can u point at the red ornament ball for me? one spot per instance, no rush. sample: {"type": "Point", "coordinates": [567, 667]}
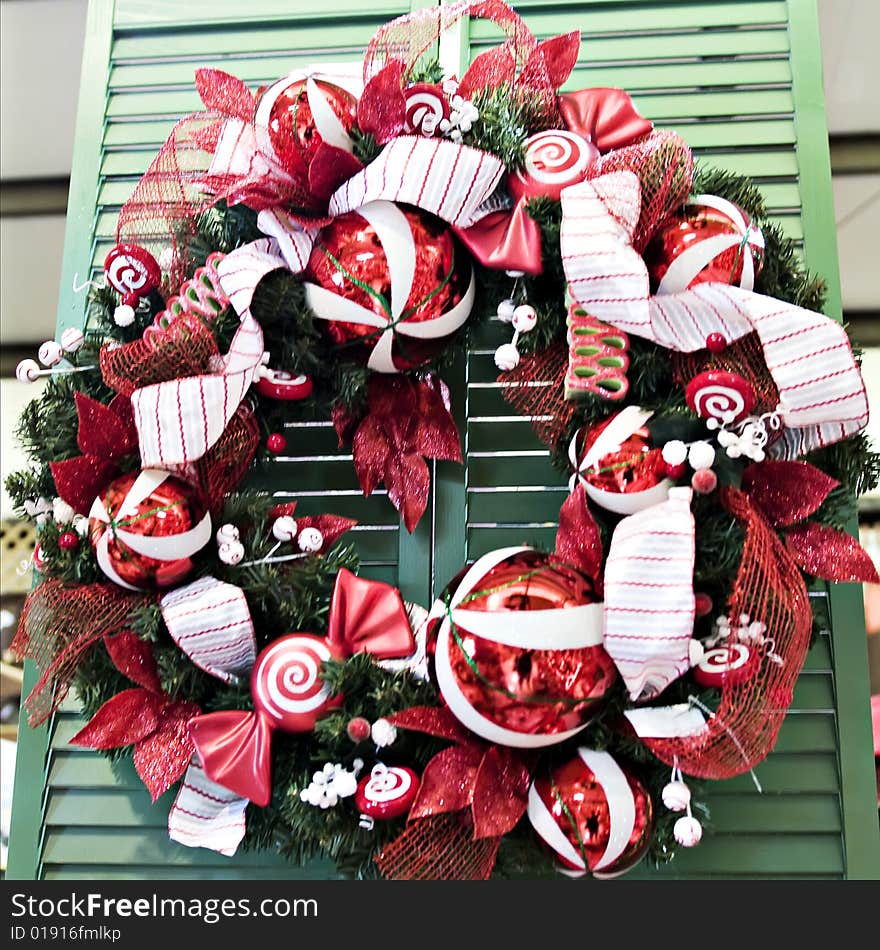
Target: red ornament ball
{"type": "Point", "coordinates": [673, 256]}
{"type": "Point", "coordinates": [284, 114]}
{"type": "Point", "coordinates": [675, 472]}
{"type": "Point", "coordinates": [704, 482]}
{"type": "Point", "coordinates": [702, 604]}
{"type": "Point", "coordinates": [349, 260]}
{"type": "Point", "coordinates": [518, 656]}
{"type": "Point", "coordinates": [276, 443]}
{"type": "Point", "coordinates": [124, 528]}
{"type": "Point", "coordinates": [592, 814]}
{"type": "Point", "coordinates": [68, 541]}
{"type": "Point", "coordinates": [286, 681]}
{"type": "Point", "coordinates": [358, 729]}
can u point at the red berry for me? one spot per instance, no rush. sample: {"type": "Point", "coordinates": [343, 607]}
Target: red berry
{"type": "Point", "coordinates": [131, 300]}
{"type": "Point", "coordinates": [358, 729]}
{"type": "Point", "coordinates": [69, 541]}
{"type": "Point", "coordinates": [675, 471]}
{"type": "Point", "coordinates": [716, 343]}
{"type": "Point", "coordinates": [704, 482]}
{"type": "Point", "coordinates": [703, 604]}
{"type": "Point", "coordinates": [276, 443]}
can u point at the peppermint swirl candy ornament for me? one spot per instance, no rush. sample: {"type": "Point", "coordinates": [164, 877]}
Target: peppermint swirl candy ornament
{"type": "Point", "coordinates": [553, 161]}
{"type": "Point", "coordinates": [286, 682]}
{"type": "Point", "coordinates": [388, 792]}
{"type": "Point", "coordinates": [131, 269]}
{"type": "Point", "coordinates": [720, 397]}
{"type": "Point", "coordinates": [726, 666]}
{"type": "Point", "coordinates": [426, 108]}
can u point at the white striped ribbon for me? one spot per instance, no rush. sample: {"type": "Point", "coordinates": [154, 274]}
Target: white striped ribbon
{"type": "Point", "coordinates": [210, 621]}
{"type": "Point", "coordinates": [822, 396]}
{"type": "Point", "coordinates": [449, 180]}
{"type": "Point", "coordinates": [649, 595]}
{"type": "Point", "coordinates": [179, 420]}
{"type": "Point", "coordinates": [206, 815]}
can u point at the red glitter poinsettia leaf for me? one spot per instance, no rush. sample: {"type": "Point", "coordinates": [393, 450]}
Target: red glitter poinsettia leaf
{"type": "Point", "coordinates": [278, 511]}
{"type": "Point", "coordinates": [433, 431]}
{"type": "Point", "coordinates": [331, 167]}
{"type": "Point", "coordinates": [121, 406]}
{"type": "Point", "coordinates": [381, 109]}
{"type": "Point", "coordinates": [488, 71]}
{"type": "Point", "coordinates": [578, 540]}
{"type": "Point", "coordinates": [332, 527]}
{"type": "Point", "coordinates": [101, 431]}
{"type": "Point", "coordinates": [787, 492]}
{"type": "Point", "coordinates": [79, 481]}
{"type": "Point", "coordinates": [501, 792]}
{"type": "Point", "coordinates": [134, 658]}
{"type": "Point", "coordinates": [557, 56]}
{"type": "Point", "coordinates": [371, 452]}
{"type": "Point", "coordinates": [161, 758]}
{"type": "Point", "coordinates": [834, 555]}
{"type": "Point", "coordinates": [432, 720]}
{"type": "Point", "coordinates": [125, 718]}
{"type": "Point", "coordinates": [345, 423]}
{"type": "Point", "coordinates": [408, 482]}
{"type": "Point", "coordinates": [392, 398]}
{"type": "Point", "coordinates": [447, 782]}
{"type": "Point", "coordinates": [224, 93]}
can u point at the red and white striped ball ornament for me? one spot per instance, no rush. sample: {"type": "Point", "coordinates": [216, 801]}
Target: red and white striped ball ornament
{"type": "Point", "coordinates": [387, 792]}
{"type": "Point", "coordinates": [517, 643]}
{"type": "Point", "coordinates": [553, 160]}
{"type": "Point", "coordinates": [720, 397]}
{"type": "Point", "coordinates": [426, 108]}
{"type": "Point", "coordinates": [711, 240]}
{"type": "Point", "coordinates": [286, 682]}
{"type": "Point", "coordinates": [131, 269]}
{"type": "Point", "coordinates": [145, 528]}
{"type": "Point", "coordinates": [391, 282]}
{"type": "Point", "coordinates": [592, 814]}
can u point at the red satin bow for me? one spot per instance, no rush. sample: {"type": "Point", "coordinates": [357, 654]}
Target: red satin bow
{"type": "Point", "coordinates": [511, 240]}
{"type": "Point", "coordinates": [491, 781]}
{"type": "Point", "coordinates": [234, 747]}
{"type": "Point", "coordinates": [105, 434]}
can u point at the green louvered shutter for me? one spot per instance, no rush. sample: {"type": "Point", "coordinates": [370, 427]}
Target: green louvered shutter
{"type": "Point", "coordinates": [741, 81]}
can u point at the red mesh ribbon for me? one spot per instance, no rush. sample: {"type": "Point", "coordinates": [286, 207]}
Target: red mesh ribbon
{"type": "Point", "coordinates": [57, 626]}
{"type": "Point", "coordinates": [220, 470]}
{"type": "Point", "coordinates": [534, 389]}
{"type": "Point", "coordinates": [769, 588]}
{"type": "Point", "coordinates": [541, 67]}
{"type": "Point", "coordinates": [664, 166]}
{"type": "Point", "coordinates": [439, 848]}
{"type": "Point", "coordinates": [185, 348]}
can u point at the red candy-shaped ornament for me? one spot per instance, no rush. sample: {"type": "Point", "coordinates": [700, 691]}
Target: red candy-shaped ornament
{"type": "Point", "coordinates": [553, 160]}
{"type": "Point", "coordinates": [388, 792]}
{"type": "Point", "coordinates": [592, 814]}
{"type": "Point", "coordinates": [719, 395]}
{"type": "Point", "coordinates": [283, 386]}
{"type": "Point", "coordinates": [426, 108]}
{"type": "Point", "coordinates": [131, 269]}
{"type": "Point", "coordinates": [727, 665]}
{"type": "Point", "coordinates": [518, 651]}
{"type": "Point", "coordinates": [286, 682]}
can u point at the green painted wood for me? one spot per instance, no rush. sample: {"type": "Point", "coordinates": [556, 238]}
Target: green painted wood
{"type": "Point", "coordinates": [739, 79]}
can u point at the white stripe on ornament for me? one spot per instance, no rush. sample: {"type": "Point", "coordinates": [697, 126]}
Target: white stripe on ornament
{"type": "Point", "coordinates": [326, 121]}
{"type": "Point", "coordinates": [691, 261]}
{"type": "Point", "coordinates": [172, 547]}
{"type": "Point", "coordinates": [621, 804]}
{"type": "Point", "coordinates": [102, 556]}
{"type": "Point", "coordinates": [446, 323]}
{"type": "Point", "coordinates": [395, 236]}
{"type": "Point", "coordinates": [545, 825]}
{"type": "Point", "coordinates": [563, 628]}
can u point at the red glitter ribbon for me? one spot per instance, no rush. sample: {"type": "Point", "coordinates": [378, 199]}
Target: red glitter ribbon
{"type": "Point", "coordinates": [143, 716]}
{"type": "Point", "coordinates": [491, 781]}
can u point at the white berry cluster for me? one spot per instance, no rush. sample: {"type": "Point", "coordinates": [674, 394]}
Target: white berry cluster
{"type": "Point", "coordinates": [41, 510]}
{"type": "Point", "coordinates": [330, 784]}
{"type": "Point", "coordinates": [749, 438]}
{"type": "Point", "coordinates": [745, 630]}
{"type": "Point", "coordinates": [462, 113]}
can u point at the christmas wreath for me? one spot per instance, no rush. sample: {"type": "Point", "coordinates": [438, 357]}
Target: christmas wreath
{"type": "Point", "coordinates": [320, 249]}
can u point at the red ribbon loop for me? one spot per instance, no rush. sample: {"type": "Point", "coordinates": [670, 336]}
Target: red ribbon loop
{"type": "Point", "coordinates": [368, 617]}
